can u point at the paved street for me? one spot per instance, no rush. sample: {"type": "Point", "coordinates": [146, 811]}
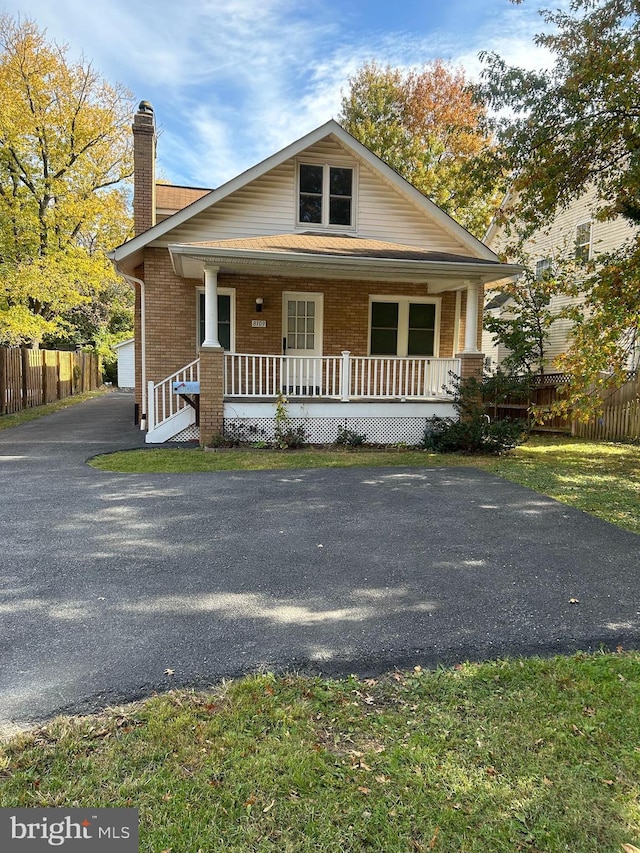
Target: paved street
{"type": "Point", "coordinates": [109, 580]}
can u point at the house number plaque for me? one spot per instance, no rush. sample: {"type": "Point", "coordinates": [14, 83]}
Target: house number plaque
{"type": "Point", "coordinates": [259, 324]}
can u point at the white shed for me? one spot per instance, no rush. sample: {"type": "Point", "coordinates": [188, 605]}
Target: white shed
{"type": "Point", "coordinates": [126, 363]}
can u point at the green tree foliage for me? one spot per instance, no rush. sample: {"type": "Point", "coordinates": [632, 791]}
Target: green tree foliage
{"type": "Point", "coordinates": [425, 125]}
{"type": "Point", "coordinates": [561, 131]}
{"type": "Point", "coordinates": [577, 123]}
{"type": "Point", "coordinates": [64, 153]}
{"type": "Point", "coordinates": [524, 326]}
{"type": "Point", "coordinates": [606, 332]}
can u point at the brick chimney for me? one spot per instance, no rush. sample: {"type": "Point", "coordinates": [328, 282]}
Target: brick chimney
{"type": "Point", "coordinates": [144, 168]}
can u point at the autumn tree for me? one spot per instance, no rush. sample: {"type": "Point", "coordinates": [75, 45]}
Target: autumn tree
{"type": "Point", "coordinates": [565, 129]}
{"type": "Point", "coordinates": [427, 126]}
{"type": "Point", "coordinates": [524, 325]}
{"type": "Point", "coordinates": [64, 154]}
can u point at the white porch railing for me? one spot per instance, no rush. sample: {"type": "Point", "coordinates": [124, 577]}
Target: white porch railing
{"type": "Point", "coordinates": [162, 403]}
{"type": "Point", "coordinates": [269, 375]}
{"type": "Point", "coordinates": [343, 377]}
{"type": "Point", "coordinates": [402, 377]}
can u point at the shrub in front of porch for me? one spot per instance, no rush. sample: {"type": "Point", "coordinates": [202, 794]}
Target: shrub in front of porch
{"type": "Point", "coordinates": [474, 431]}
{"type": "Point", "coordinates": [476, 435]}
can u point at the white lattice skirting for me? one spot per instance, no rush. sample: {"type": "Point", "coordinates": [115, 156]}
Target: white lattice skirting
{"type": "Point", "coordinates": [407, 430]}
{"type": "Point", "coordinates": [191, 433]}
{"type": "Point", "coordinates": [319, 430]}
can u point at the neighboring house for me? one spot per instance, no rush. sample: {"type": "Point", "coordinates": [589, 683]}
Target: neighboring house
{"type": "Point", "coordinates": [125, 351]}
{"type": "Point", "coordinates": [320, 273]}
{"type": "Point", "coordinates": [573, 233]}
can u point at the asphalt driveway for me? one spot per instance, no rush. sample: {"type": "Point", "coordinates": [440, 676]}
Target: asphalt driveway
{"type": "Point", "coordinates": [109, 581]}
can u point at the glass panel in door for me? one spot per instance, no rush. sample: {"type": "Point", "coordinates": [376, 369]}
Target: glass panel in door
{"type": "Point", "coordinates": [303, 343]}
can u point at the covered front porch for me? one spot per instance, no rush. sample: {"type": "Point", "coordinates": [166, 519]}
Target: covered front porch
{"type": "Point", "coordinates": [324, 392]}
{"type": "Point", "coordinates": [343, 327]}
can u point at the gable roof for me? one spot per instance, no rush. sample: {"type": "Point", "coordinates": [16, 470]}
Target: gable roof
{"type": "Point", "coordinates": [128, 254]}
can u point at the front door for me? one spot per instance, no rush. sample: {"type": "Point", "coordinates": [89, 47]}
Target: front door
{"type": "Point", "coordinates": [302, 340]}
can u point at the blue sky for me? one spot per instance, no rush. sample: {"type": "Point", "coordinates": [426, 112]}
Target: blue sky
{"type": "Point", "coordinates": [233, 81]}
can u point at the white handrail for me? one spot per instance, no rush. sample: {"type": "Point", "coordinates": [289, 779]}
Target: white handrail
{"type": "Point", "coordinates": [342, 377]}
{"type": "Point", "coordinates": [163, 403]}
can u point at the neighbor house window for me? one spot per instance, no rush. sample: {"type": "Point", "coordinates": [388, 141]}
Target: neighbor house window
{"type": "Point", "coordinates": [225, 307]}
{"type": "Point", "coordinates": [403, 327]}
{"type": "Point", "coordinates": [583, 242]}
{"type": "Point", "coordinates": [543, 269]}
{"type": "Point", "coordinates": [326, 195]}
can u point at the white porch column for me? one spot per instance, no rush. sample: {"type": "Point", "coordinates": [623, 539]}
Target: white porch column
{"type": "Point", "coordinates": [345, 376]}
{"type": "Point", "coordinates": [471, 323]}
{"type": "Point", "coordinates": [210, 306]}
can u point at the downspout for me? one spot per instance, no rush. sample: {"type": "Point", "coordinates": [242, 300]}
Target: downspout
{"type": "Point", "coordinates": [143, 343]}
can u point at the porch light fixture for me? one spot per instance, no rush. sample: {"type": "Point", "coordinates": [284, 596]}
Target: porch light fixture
{"type": "Point", "coordinates": [259, 304]}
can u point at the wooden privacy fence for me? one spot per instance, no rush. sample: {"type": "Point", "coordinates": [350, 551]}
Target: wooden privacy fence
{"type": "Point", "coordinates": [32, 377]}
{"type": "Point", "coordinates": [620, 417]}
{"type": "Point", "coordinates": [544, 391]}
{"type": "Point", "coordinates": [618, 421]}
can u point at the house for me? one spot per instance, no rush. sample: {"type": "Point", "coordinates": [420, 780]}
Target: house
{"type": "Point", "coordinates": [319, 273]}
{"type": "Point", "coordinates": [574, 233]}
{"type": "Point", "coordinates": [125, 351]}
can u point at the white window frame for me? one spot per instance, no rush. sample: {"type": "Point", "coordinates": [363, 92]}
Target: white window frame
{"type": "Point", "coordinates": [222, 291]}
{"type": "Point", "coordinates": [577, 245]}
{"type": "Point", "coordinates": [541, 270]}
{"type": "Point", "coordinates": [403, 303]}
{"type": "Point", "coordinates": [326, 166]}
{"type": "Point", "coordinates": [303, 295]}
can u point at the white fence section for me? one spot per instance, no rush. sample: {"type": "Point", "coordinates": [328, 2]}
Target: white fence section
{"type": "Point", "coordinates": [270, 375]}
{"type": "Point", "coordinates": [402, 377]}
{"type": "Point", "coordinates": [168, 411]}
{"type": "Point", "coordinates": [343, 377]}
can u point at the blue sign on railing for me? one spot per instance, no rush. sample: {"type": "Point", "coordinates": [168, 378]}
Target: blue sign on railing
{"type": "Point", "coordinates": [186, 387]}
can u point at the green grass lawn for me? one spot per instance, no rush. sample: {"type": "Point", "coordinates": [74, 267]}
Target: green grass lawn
{"type": "Point", "coordinates": [520, 755]}
{"type": "Point", "coordinates": [26, 415]}
{"type": "Point", "coordinates": [598, 477]}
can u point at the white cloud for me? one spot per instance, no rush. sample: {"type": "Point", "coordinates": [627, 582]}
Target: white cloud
{"type": "Point", "coordinates": [232, 81]}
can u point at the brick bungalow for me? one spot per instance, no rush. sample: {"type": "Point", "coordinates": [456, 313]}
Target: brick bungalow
{"type": "Point", "coordinates": [319, 273]}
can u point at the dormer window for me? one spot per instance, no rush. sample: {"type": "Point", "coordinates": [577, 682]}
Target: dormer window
{"type": "Point", "coordinates": [326, 195]}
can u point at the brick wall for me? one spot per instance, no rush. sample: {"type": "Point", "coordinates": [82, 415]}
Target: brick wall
{"type": "Point", "coordinates": [171, 314]}
{"type": "Point", "coordinates": [211, 393]}
{"type": "Point", "coordinates": [144, 179]}
{"type": "Point", "coordinates": [346, 311]}
{"type": "Point", "coordinates": [471, 365]}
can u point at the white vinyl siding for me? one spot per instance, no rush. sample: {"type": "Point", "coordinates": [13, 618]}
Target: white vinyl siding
{"type": "Point", "coordinates": [126, 364]}
{"type": "Point", "coordinates": [268, 206]}
{"type": "Point", "coordinates": [558, 238]}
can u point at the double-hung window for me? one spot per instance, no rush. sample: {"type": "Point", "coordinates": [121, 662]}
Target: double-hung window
{"type": "Point", "coordinates": [403, 327]}
{"type": "Point", "coordinates": [544, 269]}
{"type": "Point", "coordinates": [225, 326]}
{"type": "Point", "coordinates": [583, 242]}
{"type": "Point", "coordinates": [325, 195]}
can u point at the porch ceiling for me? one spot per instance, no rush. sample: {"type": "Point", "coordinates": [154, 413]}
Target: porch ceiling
{"type": "Point", "coordinates": [336, 256]}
